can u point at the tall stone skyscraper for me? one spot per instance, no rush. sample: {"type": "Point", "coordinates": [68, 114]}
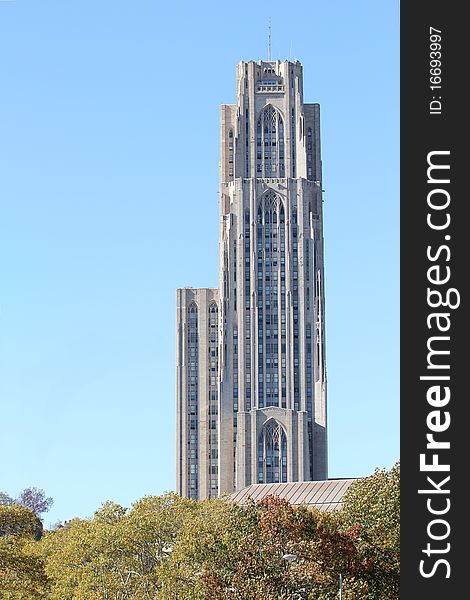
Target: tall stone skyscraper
{"type": "Point", "coordinates": [251, 376]}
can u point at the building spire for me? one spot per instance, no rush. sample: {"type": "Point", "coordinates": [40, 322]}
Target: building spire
{"type": "Point", "coordinates": [269, 40]}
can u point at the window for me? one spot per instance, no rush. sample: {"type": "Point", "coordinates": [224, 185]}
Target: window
{"type": "Point", "coordinates": [270, 144]}
{"type": "Point", "coordinates": [192, 391]}
{"type": "Point", "coordinates": [309, 153]}
{"type": "Point", "coordinates": [247, 308]}
{"type": "Point", "coordinates": [272, 454]}
{"type": "Point", "coordinates": [292, 135]}
{"type": "Point", "coordinates": [270, 232]}
{"type": "Point", "coordinates": [213, 337]}
{"type": "Point", "coordinates": [295, 309]}
{"type": "Point", "coordinates": [230, 153]}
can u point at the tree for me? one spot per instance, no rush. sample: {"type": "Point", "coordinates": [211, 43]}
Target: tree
{"type": "Point", "coordinates": [5, 499]}
{"type": "Point", "coordinates": [203, 554]}
{"type": "Point", "coordinates": [118, 554]}
{"type": "Point", "coordinates": [35, 499]}
{"type": "Point", "coordinates": [19, 521]}
{"type": "Point", "coordinates": [21, 570]}
{"type": "Point", "coordinates": [373, 505]}
{"type": "Point", "coordinates": [230, 551]}
{"type": "Point", "coordinates": [171, 548]}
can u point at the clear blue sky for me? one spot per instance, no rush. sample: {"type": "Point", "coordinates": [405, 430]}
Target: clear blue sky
{"type": "Point", "coordinates": [108, 202]}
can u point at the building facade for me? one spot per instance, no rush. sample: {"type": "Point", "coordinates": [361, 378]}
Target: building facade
{"type": "Point", "coordinates": [251, 374]}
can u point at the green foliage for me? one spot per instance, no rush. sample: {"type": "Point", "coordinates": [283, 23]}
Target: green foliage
{"type": "Point", "coordinates": [229, 551]}
{"type": "Point", "coordinates": [169, 548]}
{"type": "Point", "coordinates": [18, 521]}
{"type": "Point", "coordinates": [21, 570]}
{"type": "Point", "coordinates": [374, 504]}
{"type": "Point", "coordinates": [118, 554]}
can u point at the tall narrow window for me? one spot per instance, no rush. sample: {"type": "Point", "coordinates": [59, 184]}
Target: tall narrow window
{"type": "Point", "coordinates": [270, 144]}
{"type": "Point", "coordinates": [247, 143]}
{"type": "Point", "coordinates": [309, 384]}
{"type": "Point", "coordinates": [282, 240]}
{"type": "Point", "coordinates": [292, 135]}
{"type": "Point", "coordinates": [272, 454]}
{"type": "Point", "coordinates": [295, 308]}
{"type": "Point", "coordinates": [247, 313]}
{"type": "Point", "coordinates": [309, 154]}
{"type": "Point", "coordinates": [235, 370]}
{"type": "Point", "coordinates": [230, 153]}
{"type": "Point", "coordinates": [192, 378]}
{"type": "Point", "coordinates": [270, 278]}
{"type": "Point", "coordinates": [212, 334]}
{"type": "Point", "coordinates": [320, 341]}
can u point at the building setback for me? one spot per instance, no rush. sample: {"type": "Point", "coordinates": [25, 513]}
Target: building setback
{"type": "Point", "coordinates": [251, 375]}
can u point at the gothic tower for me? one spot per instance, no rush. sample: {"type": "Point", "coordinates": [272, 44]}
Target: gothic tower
{"type": "Point", "coordinates": [265, 419]}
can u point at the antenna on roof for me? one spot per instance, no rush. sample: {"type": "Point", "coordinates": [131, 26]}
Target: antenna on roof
{"type": "Point", "coordinates": [269, 40]}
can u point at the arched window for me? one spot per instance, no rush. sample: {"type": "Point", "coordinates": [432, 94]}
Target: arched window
{"type": "Point", "coordinates": [272, 454]}
{"type": "Point", "coordinates": [270, 281]}
{"type": "Point", "coordinates": [270, 144]}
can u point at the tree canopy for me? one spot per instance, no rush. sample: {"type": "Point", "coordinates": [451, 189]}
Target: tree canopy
{"type": "Point", "coordinates": [22, 574]}
{"type": "Point", "coordinates": [167, 547]}
{"type": "Point", "coordinates": [35, 499]}
{"type": "Point", "coordinates": [373, 503]}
